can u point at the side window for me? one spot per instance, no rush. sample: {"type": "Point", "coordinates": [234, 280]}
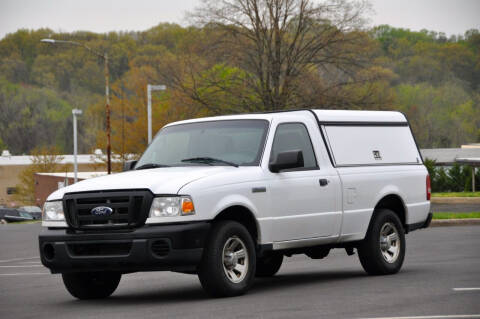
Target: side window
{"type": "Point", "coordinates": [294, 136]}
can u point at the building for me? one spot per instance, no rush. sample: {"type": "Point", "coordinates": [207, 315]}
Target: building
{"type": "Point", "coordinates": [11, 166]}
{"type": "Point", "coordinates": [450, 156]}
{"type": "Point", "coordinates": [46, 183]}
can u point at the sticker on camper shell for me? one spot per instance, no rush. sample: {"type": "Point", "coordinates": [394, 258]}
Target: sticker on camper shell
{"type": "Point", "coordinates": [377, 156]}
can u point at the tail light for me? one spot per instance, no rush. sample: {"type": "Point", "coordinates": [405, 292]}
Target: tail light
{"type": "Point", "coordinates": [429, 188]}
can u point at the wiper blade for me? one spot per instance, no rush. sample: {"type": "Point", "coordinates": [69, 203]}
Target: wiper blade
{"type": "Point", "coordinates": [150, 165]}
{"type": "Point", "coordinates": [208, 160]}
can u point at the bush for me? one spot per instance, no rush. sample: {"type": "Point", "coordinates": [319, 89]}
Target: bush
{"type": "Point", "coordinates": [457, 178]}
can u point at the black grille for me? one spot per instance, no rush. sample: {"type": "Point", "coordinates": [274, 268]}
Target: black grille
{"type": "Point", "coordinates": [129, 209]}
{"type": "Point", "coordinates": [160, 247]}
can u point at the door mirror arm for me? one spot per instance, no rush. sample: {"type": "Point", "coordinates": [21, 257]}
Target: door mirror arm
{"type": "Point", "coordinates": [129, 165]}
{"type": "Point", "coordinates": [287, 160]}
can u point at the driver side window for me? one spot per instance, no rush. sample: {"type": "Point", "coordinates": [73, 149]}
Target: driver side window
{"type": "Point", "coordinates": [294, 136]}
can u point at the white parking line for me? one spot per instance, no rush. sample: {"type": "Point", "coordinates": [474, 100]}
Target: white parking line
{"type": "Point", "coordinates": [466, 289]}
{"type": "Point", "coordinates": [31, 262]}
{"type": "Point", "coordinates": [21, 266]}
{"type": "Point", "coordinates": [431, 317]}
{"type": "Point", "coordinates": [23, 274]}
{"type": "Point", "coordinates": [18, 259]}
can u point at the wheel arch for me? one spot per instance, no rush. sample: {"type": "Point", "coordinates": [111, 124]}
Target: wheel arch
{"type": "Point", "coordinates": [242, 215]}
{"type": "Point", "coordinates": [395, 203]}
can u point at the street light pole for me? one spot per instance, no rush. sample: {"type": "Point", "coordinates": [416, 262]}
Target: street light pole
{"type": "Point", "coordinates": [104, 56]}
{"type": "Point", "coordinates": [75, 112]}
{"type": "Point", "coordinates": [151, 88]}
{"type": "Point", "coordinates": [107, 115]}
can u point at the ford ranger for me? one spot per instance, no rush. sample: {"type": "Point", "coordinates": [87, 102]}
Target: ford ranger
{"type": "Point", "coordinates": [228, 197]}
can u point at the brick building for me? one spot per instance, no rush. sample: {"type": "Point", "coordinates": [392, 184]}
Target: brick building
{"type": "Point", "coordinates": [46, 183]}
{"type": "Point", "coordinates": [11, 166]}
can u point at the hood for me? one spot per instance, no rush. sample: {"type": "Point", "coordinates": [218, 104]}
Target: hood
{"type": "Point", "coordinates": [166, 180]}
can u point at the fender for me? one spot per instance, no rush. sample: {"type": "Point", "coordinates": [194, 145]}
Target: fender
{"type": "Point", "coordinates": [238, 200]}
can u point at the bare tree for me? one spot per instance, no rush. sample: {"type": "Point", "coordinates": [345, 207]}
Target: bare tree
{"type": "Point", "coordinates": [277, 41]}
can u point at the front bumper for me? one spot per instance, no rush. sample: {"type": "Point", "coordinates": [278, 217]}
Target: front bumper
{"type": "Point", "coordinates": [160, 247]}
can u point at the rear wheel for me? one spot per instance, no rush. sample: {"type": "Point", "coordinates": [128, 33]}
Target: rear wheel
{"type": "Point", "coordinates": [383, 250]}
{"type": "Point", "coordinates": [91, 285]}
{"type": "Point", "coordinates": [228, 263]}
{"type": "Point", "coordinates": [269, 265]}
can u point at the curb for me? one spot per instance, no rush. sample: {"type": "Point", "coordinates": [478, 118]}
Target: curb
{"type": "Point", "coordinates": [455, 200]}
{"type": "Point", "coordinates": [455, 222]}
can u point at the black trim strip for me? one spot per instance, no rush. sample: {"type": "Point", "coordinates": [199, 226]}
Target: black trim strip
{"type": "Point", "coordinates": [323, 136]}
{"type": "Point", "coordinates": [379, 164]}
{"type": "Point", "coordinates": [344, 123]}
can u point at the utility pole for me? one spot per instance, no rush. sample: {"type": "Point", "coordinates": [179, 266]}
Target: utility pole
{"type": "Point", "coordinates": [151, 88]}
{"type": "Point", "coordinates": [107, 115]}
{"type": "Point", "coordinates": [75, 113]}
{"type": "Point", "coordinates": [104, 56]}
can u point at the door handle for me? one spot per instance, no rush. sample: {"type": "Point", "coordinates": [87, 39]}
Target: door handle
{"type": "Point", "coordinates": [324, 182]}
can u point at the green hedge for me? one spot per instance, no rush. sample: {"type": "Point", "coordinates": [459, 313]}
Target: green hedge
{"type": "Point", "coordinates": [457, 178]}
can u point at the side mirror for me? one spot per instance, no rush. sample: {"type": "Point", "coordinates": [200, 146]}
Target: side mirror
{"type": "Point", "coordinates": [287, 160]}
{"type": "Point", "coordinates": [129, 165]}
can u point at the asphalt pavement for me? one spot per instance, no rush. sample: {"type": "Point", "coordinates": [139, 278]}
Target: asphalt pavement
{"type": "Point", "coordinates": [439, 277]}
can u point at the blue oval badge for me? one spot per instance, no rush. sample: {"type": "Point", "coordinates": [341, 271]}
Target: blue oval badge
{"type": "Point", "coordinates": [101, 211]}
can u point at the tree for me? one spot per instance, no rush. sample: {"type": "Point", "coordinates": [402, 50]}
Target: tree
{"type": "Point", "coordinates": [3, 146]}
{"type": "Point", "coordinates": [276, 41]}
{"type": "Point", "coordinates": [33, 117]}
{"type": "Point", "coordinates": [44, 160]}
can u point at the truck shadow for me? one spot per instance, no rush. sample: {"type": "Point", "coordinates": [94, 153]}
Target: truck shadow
{"type": "Point", "coordinates": [194, 292]}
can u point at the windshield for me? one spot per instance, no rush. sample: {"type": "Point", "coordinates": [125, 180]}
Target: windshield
{"type": "Point", "coordinates": [238, 142]}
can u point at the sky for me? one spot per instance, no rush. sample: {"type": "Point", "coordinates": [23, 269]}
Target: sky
{"type": "Point", "coordinates": [448, 16]}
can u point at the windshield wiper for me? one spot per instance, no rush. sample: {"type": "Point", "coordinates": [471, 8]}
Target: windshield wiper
{"type": "Point", "coordinates": [208, 160]}
{"type": "Point", "coordinates": [150, 165]}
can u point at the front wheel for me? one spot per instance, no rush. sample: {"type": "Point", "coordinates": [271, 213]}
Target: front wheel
{"type": "Point", "coordinates": [91, 285]}
{"type": "Point", "coordinates": [383, 250]}
{"type": "Point", "coordinates": [228, 263]}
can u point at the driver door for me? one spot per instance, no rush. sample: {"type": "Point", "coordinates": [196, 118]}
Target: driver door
{"type": "Point", "coordinates": [302, 206]}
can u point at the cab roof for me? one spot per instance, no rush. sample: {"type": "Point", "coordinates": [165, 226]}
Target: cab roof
{"type": "Point", "coordinates": [323, 116]}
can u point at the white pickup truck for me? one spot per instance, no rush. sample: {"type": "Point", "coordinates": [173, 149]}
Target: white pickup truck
{"type": "Point", "coordinates": [228, 197]}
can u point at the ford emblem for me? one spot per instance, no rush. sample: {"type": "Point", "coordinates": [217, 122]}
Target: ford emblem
{"type": "Point", "coordinates": [101, 211]}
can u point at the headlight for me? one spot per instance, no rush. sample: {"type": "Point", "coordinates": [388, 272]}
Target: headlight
{"type": "Point", "coordinates": [53, 211]}
{"type": "Point", "coordinates": [171, 206]}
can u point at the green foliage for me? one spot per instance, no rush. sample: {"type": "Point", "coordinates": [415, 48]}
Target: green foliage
{"type": "Point", "coordinates": [443, 116]}
{"type": "Point", "coordinates": [456, 194]}
{"type": "Point", "coordinates": [447, 215]}
{"type": "Point", "coordinates": [3, 146]}
{"type": "Point", "coordinates": [457, 178]}
{"type": "Point", "coordinates": [33, 117]}
{"type": "Point", "coordinates": [433, 79]}
{"type": "Point", "coordinates": [430, 165]}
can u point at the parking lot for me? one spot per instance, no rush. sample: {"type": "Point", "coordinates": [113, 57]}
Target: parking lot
{"type": "Point", "coordinates": [441, 268]}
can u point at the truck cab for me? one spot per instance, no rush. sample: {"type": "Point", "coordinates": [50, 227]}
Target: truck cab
{"type": "Point", "coordinates": [228, 197]}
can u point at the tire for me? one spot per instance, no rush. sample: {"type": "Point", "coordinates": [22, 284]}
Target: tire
{"type": "Point", "coordinates": [223, 272]}
{"type": "Point", "coordinates": [91, 285]}
{"type": "Point", "coordinates": [380, 254]}
{"type": "Point", "coordinates": [269, 265]}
